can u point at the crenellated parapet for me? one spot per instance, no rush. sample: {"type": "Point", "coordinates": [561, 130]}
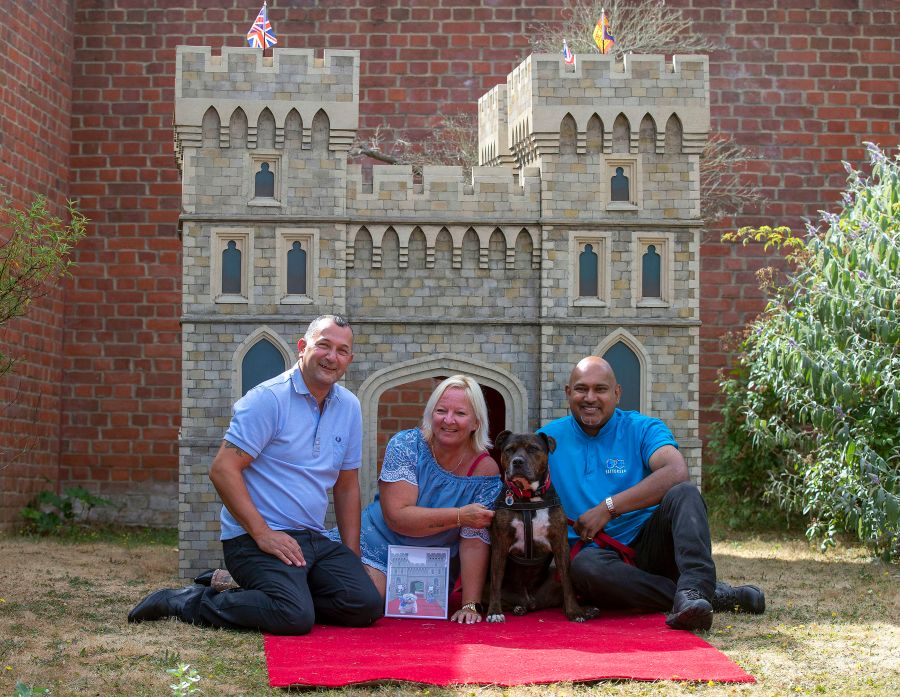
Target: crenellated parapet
{"type": "Point", "coordinates": [291, 81]}
{"type": "Point", "coordinates": [543, 90]}
{"type": "Point", "coordinates": [444, 192]}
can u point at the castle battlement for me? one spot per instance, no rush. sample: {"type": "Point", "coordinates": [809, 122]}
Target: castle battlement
{"type": "Point", "coordinates": [288, 74]}
{"type": "Point", "coordinates": [395, 191]}
{"type": "Point", "coordinates": [543, 90]}
{"type": "Point", "coordinates": [292, 80]}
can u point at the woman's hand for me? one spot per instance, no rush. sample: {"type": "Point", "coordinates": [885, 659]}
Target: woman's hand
{"type": "Point", "coordinates": [467, 614]}
{"type": "Point", "coordinates": [475, 515]}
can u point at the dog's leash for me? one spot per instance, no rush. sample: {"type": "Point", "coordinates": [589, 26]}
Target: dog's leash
{"type": "Point", "coordinates": [601, 539]}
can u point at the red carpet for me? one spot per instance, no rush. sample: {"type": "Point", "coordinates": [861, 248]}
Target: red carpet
{"type": "Point", "coordinates": [542, 647]}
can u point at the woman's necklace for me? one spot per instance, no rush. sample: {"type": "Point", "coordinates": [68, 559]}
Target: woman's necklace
{"type": "Point", "coordinates": [458, 464]}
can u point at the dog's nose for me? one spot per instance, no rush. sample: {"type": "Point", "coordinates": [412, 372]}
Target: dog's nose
{"type": "Point", "coordinates": [517, 461]}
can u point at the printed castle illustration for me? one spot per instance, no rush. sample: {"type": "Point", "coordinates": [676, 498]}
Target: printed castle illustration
{"type": "Point", "coordinates": [577, 234]}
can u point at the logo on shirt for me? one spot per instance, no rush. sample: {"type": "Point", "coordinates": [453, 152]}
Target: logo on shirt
{"type": "Point", "coordinates": [615, 466]}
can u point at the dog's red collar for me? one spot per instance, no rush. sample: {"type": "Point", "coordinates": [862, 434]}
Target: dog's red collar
{"type": "Point", "coordinates": [517, 492]}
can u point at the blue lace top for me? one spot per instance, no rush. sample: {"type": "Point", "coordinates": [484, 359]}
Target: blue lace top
{"type": "Point", "coordinates": [409, 459]}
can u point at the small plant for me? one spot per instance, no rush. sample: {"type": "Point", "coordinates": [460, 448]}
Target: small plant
{"type": "Point", "coordinates": [186, 679]}
{"type": "Point", "coordinates": [35, 247]}
{"type": "Point", "coordinates": [23, 690]}
{"type": "Point", "coordinates": [50, 513]}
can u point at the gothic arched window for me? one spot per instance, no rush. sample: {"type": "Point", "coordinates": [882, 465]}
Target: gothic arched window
{"type": "Point", "coordinates": [627, 368]}
{"type": "Point", "coordinates": [261, 362]}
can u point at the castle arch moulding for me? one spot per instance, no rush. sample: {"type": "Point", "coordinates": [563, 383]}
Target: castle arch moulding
{"type": "Point", "coordinates": [237, 359]}
{"type": "Point", "coordinates": [646, 366]}
{"type": "Point", "coordinates": [508, 385]}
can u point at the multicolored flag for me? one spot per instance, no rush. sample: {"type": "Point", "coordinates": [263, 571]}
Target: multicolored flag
{"type": "Point", "coordinates": [602, 37]}
{"type": "Point", "coordinates": [567, 54]}
{"type": "Point", "coordinates": [261, 34]}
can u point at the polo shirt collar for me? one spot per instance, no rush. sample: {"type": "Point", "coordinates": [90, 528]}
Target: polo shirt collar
{"type": "Point", "coordinates": [607, 427]}
{"type": "Point", "coordinates": [300, 385]}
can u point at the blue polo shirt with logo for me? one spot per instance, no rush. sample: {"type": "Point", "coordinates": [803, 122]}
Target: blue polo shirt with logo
{"type": "Point", "coordinates": [586, 469]}
{"type": "Point", "coordinates": [297, 451]}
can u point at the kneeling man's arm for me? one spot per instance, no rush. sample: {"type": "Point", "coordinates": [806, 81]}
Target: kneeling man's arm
{"type": "Point", "coordinates": [347, 507]}
{"type": "Point", "coordinates": [227, 476]}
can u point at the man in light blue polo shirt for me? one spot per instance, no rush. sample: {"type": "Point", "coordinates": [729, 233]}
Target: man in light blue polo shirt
{"type": "Point", "coordinates": [621, 473]}
{"type": "Point", "coordinates": [291, 439]}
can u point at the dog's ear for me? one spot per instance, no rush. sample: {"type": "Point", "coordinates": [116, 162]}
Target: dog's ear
{"type": "Point", "coordinates": [501, 439]}
{"type": "Point", "coordinates": [549, 442]}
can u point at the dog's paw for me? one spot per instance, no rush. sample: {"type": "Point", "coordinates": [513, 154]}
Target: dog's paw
{"type": "Point", "coordinates": [520, 610]}
{"type": "Point", "coordinates": [591, 612]}
{"type": "Point", "coordinates": [498, 617]}
{"type": "Point", "coordinates": [583, 614]}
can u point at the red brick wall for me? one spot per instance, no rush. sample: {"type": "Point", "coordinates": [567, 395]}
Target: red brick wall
{"type": "Point", "coordinates": [803, 84]}
{"type": "Point", "coordinates": [35, 107]}
{"type": "Point", "coordinates": [400, 408]}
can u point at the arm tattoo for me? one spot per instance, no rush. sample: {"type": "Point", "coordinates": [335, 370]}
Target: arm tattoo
{"type": "Point", "coordinates": [232, 446]}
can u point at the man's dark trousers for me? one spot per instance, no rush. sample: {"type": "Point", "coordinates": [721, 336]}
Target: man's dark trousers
{"type": "Point", "coordinates": [333, 588]}
{"type": "Point", "coordinates": [673, 552]}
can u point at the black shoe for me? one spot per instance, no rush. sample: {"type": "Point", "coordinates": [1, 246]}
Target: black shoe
{"type": "Point", "coordinates": [164, 603]}
{"type": "Point", "coordinates": [690, 610]}
{"type": "Point", "coordinates": [738, 599]}
{"type": "Point", "coordinates": [205, 578]}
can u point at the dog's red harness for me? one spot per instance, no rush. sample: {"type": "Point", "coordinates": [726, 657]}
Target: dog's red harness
{"type": "Point", "coordinates": [601, 539]}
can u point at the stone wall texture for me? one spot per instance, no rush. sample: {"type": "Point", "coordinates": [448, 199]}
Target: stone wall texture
{"type": "Point", "coordinates": [87, 113]}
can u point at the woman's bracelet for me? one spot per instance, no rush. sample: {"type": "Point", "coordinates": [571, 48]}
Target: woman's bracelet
{"type": "Point", "coordinates": [458, 523]}
{"type": "Point", "coordinates": [473, 607]}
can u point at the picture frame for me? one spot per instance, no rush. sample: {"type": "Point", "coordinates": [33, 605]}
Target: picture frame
{"type": "Point", "coordinates": [417, 582]}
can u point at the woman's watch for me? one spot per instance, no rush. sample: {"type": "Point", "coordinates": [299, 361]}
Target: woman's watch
{"type": "Point", "coordinates": [474, 607]}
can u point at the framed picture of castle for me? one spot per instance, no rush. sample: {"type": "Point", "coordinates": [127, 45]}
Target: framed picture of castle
{"type": "Point", "coordinates": [417, 582]}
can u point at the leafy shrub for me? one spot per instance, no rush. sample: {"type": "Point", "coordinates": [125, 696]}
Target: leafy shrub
{"type": "Point", "coordinates": [50, 513]}
{"type": "Point", "coordinates": [813, 413]}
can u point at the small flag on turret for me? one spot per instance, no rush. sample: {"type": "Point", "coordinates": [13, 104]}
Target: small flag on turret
{"type": "Point", "coordinates": [567, 54]}
{"type": "Point", "coordinates": [261, 34]}
{"type": "Point", "coordinates": [602, 37]}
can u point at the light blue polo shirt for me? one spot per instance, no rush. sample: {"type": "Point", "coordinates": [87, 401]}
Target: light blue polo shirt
{"type": "Point", "coordinates": [586, 469]}
{"type": "Point", "coordinates": [297, 452]}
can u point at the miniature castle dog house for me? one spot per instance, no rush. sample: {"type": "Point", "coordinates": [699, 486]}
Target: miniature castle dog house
{"type": "Point", "coordinates": [578, 234]}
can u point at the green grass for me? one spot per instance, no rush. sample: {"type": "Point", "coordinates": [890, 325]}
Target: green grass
{"type": "Point", "coordinates": [830, 627]}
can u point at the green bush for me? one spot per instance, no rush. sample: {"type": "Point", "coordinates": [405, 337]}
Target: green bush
{"type": "Point", "coordinates": [812, 415]}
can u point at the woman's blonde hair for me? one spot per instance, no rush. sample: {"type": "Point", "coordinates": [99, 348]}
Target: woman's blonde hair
{"type": "Point", "coordinates": [479, 438]}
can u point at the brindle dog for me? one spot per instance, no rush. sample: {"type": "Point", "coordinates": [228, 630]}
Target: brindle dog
{"type": "Point", "coordinates": [527, 532]}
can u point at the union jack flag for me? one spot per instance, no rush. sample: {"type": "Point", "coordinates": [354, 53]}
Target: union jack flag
{"type": "Point", "coordinates": [567, 54]}
{"type": "Point", "coordinates": [261, 34]}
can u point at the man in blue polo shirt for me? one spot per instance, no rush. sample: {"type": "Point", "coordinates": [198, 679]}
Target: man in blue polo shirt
{"type": "Point", "coordinates": [291, 439]}
{"type": "Point", "coordinates": [621, 473]}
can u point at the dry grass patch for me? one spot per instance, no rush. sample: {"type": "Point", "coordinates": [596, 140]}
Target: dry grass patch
{"type": "Point", "coordinates": [831, 627]}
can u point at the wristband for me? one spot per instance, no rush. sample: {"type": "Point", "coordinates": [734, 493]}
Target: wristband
{"type": "Point", "coordinates": [611, 508]}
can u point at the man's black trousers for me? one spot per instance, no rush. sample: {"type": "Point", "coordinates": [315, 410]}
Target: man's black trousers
{"type": "Point", "coordinates": [673, 553]}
